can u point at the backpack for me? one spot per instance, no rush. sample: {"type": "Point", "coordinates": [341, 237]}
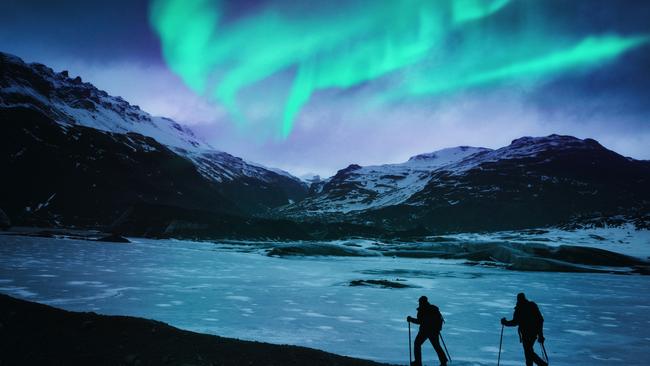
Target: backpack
{"type": "Point", "coordinates": [437, 318]}
{"type": "Point", "coordinates": [532, 319]}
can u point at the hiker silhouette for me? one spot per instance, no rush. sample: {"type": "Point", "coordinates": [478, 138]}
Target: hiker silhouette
{"type": "Point", "coordinates": [430, 321]}
{"type": "Point", "coordinates": [531, 327]}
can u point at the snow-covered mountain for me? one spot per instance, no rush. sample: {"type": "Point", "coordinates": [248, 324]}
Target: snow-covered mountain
{"type": "Point", "coordinates": [528, 147]}
{"type": "Point", "coordinates": [76, 155]}
{"type": "Point", "coordinates": [534, 181]}
{"type": "Point", "coordinates": [361, 188]}
{"type": "Point", "coordinates": [34, 98]}
{"type": "Point", "coordinates": [70, 101]}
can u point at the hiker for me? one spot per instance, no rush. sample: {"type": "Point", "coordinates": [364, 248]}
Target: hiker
{"type": "Point", "coordinates": [531, 327]}
{"type": "Point", "coordinates": [430, 321]}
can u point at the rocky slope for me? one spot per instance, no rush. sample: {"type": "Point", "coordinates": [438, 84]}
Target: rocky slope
{"type": "Point", "coordinates": [80, 156]}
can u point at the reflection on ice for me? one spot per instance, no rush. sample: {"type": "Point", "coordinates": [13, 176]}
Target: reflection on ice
{"type": "Point", "coordinates": [583, 333]}
{"type": "Point", "coordinates": [238, 298]}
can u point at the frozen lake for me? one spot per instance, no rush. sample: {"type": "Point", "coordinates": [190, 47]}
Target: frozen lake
{"type": "Point", "coordinates": [239, 291]}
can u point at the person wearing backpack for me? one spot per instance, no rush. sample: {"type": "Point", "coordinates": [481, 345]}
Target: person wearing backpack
{"type": "Point", "coordinates": [531, 327]}
{"type": "Point", "coordinates": [430, 321]}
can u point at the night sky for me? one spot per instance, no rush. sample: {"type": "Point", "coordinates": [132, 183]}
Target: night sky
{"type": "Point", "coordinates": [312, 86]}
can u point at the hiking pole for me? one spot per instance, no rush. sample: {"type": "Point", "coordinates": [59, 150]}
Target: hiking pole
{"type": "Point", "coordinates": [500, 343]}
{"type": "Point", "coordinates": [545, 354]}
{"type": "Point", "coordinates": [410, 359]}
{"type": "Point", "coordinates": [444, 345]}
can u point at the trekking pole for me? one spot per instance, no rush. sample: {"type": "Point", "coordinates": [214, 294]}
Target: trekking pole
{"type": "Point", "coordinates": [500, 343]}
{"type": "Point", "coordinates": [444, 345]}
{"type": "Point", "coordinates": [545, 354]}
{"type": "Point", "coordinates": [410, 359]}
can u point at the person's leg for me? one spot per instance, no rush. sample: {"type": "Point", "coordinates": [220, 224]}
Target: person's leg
{"type": "Point", "coordinates": [538, 360]}
{"type": "Point", "coordinates": [417, 348]}
{"type": "Point", "coordinates": [435, 342]}
{"type": "Point", "coordinates": [529, 351]}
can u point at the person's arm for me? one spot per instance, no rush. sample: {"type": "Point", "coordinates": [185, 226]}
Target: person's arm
{"type": "Point", "coordinates": [513, 322]}
{"type": "Point", "coordinates": [410, 319]}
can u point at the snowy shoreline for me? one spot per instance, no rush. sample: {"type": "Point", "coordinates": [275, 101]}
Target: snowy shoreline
{"type": "Point", "coordinates": [618, 250]}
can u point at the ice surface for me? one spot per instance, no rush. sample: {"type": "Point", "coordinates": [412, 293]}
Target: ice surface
{"type": "Point", "coordinates": [237, 291]}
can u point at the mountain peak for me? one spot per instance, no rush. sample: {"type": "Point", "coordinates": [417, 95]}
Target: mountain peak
{"type": "Point", "coordinates": [70, 101]}
{"type": "Point", "coordinates": [349, 168]}
{"type": "Point", "coordinates": [7, 57]}
{"type": "Point", "coordinates": [528, 145]}
{"type": "Point", "coordinates": [451, 153]}
{"type": "Point", "coordinates": [554, 140]}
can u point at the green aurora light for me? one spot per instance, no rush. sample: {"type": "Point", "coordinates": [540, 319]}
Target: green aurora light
{"type": "Point", "coordinates": [438, 46]}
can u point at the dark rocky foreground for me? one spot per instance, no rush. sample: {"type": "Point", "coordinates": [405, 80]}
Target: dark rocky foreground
{"type": "Point", "coordinates": [36, 334]}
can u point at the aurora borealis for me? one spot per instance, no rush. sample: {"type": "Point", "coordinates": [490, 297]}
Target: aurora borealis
{"type": "Point", "coordinates": [313, 86]}
{"type": "Point", "coordinates": [434, 47]}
